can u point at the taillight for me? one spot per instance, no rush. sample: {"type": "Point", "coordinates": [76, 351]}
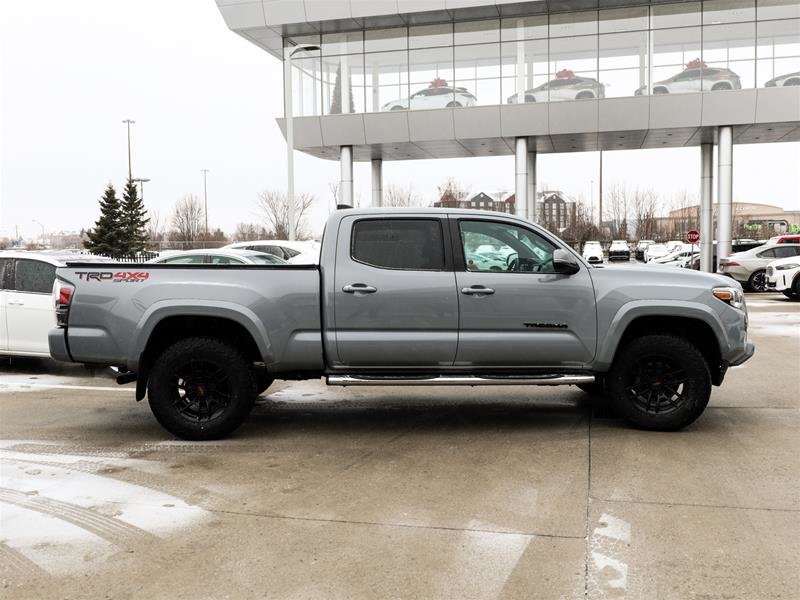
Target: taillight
{"type": "Point", "coordinates": [62, 296]}
{"type": "Point", "coordinates": [731, 263]}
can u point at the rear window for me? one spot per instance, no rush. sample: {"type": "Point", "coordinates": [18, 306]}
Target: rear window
{"type": "Point", "coordinates": [34, 276]}
{"type": "Point", "coordinates": [410, 244]}
{"type": "Point", "coordinates": [786, 251]}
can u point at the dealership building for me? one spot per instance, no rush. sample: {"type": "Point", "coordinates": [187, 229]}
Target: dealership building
{"type": "Point", "coordinates": [375, 80]}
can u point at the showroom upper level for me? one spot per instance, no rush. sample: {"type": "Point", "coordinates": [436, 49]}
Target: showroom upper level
{"type": "Point", "coordinates": [368, 57]}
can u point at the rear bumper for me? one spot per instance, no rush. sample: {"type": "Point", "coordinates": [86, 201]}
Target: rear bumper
{"type": "Point", "coordinates": [57, 342]}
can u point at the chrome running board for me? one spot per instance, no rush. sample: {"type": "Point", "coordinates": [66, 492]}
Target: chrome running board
{"type": "Point", "coordinates": [546, 379]}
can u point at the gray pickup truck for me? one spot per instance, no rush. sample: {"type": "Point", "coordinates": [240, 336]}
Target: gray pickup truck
{"type": "Point", "coordinates": [405, 297]}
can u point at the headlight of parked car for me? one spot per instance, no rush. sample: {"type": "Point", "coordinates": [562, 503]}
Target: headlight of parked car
{"type": "Point", "coordinates": [729, 295]}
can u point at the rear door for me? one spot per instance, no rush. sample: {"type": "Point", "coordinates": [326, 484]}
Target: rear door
{"type": "Point", "coordinates": [6, 265]}
{"type": "Point", "coordinates": [395, 301]}
{"type": "Point", "coordinates": [30, 314]}
{"type": "Point", "coordinates": [526, 314]}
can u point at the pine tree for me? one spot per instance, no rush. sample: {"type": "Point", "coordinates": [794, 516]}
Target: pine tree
{"type": "Point", "coordinates": [133, 220]}
{"type": "Point", "coordinates": [336, 103]}
{"type": "Point", "coordinates": [105, 238]}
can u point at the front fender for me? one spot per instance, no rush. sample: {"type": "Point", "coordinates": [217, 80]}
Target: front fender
{"type": "Point", "coordinates": [628, 312]}
{"type": "Point", "coordinates": [179, 307]}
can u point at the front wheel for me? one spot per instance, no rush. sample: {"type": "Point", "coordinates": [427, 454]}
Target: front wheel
{"type": "Point", "coordinates": [453, 105]}
{"type": "Point", "coordinates": [758, 281]}
{"type": "Point", "coordinates": [201, 389]}
{"type": "Point", "coordinates": [659, 382]}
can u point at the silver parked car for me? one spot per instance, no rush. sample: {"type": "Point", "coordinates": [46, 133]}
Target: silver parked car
{"type": "Point", "coordinates": [566, 86]}
{"type": "Point", "coordinates": [701, 79]}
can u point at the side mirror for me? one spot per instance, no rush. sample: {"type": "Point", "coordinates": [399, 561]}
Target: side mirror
{"type": "Point", "coordinates": [564, 262]}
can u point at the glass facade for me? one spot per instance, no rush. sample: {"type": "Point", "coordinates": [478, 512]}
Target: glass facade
{"type": "Point", "coordinates": [685, 47]}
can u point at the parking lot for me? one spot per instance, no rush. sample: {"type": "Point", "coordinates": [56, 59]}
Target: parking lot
{"type": "Point", "coordinates": [405, 493]}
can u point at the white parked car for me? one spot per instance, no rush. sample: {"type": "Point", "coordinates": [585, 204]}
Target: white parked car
{"type": "Point", "coordinates": [654, 251]}
{"type": "Point", "coordinates": [750, 267]}
{"type": "Point", "coordinates": [27, 312]}
{"type": "Point", "coordinates": [674, 256]}
{"type": "Point", "coordinates": [619, 249]}
{"type": "Point", "coordinates": [221, 256]}
{"type": "Point", "coordinates": [783, 80]}
{"type": "Point", "coordinates": [593, 252]}
{"type": "Point", "coordinates": [783, 275]}
{"type": "Point", "coordinates": [696, 78]}
{"type": "Point", "coordinates": [566, 86]}
{"type": "Point", "coordinates": [295, 253]}
{"type": "Point", "coordinates": [435, 96]}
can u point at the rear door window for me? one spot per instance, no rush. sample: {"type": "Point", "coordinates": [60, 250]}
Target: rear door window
{"type": "Point", "coordinates": [34, 276]}
{"type": "Point", "coordinates": [409, 244]}
{"type": "Point", "coordinates": [767, 254]}
{"type": "Point", "coordinates": [786, 251]}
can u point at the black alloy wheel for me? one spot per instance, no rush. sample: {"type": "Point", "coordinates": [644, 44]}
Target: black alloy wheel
{"type": "Point", "coordinates": [203, 390]}
{"type": "Point", "coordinates": [656, 385]}
{"type": "Point", "coordinates": [758, 281]}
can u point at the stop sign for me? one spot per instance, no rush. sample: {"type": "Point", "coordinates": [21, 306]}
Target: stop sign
{"type": "Point", "coordinates": [692, 236]}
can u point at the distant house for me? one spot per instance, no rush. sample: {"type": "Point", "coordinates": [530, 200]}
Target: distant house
{"type": "Point", "coordinates": [480, 201]}
{"type": "Point", "coordinates": [556, 213]}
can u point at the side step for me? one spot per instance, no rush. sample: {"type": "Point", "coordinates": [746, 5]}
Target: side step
{"type": "Point", "coordinates": [545, 379]}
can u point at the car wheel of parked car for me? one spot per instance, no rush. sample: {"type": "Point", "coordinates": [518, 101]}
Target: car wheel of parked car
{"type": "Point", "coordinates": [584, 95]}
{"type": "Point", "coordinates": [201, 388]}
{"type": "Point", "coordinates": [660, 90]}
{"type": "Point", "coordinates": [530, 99]}
{"type": "Point", "coordinates": [758, 281]}
{"type": "Point", "coordinates": [720, 86]}
{"type": "Point", "coordinates": [397, 108]}
{"type": "Point", "coordinates": [454, 105]}
{"type": "Point", "coordinates": [659, 382]}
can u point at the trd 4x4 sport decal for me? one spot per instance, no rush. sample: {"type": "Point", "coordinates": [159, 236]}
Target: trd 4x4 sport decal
{"type": "Point", "coordinates": [119, 276]}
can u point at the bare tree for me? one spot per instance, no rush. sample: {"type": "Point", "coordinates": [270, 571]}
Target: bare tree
{"type": "Point", "coordinates": [275, 209]}
{"type": "Point", "coordinates": [187, 219]}
{"type": "Point", "coordinates": [401, 197]}
{"type": "Point", "coordinates": [617, 207]}
{"type": "Point", "coordinates": [643, 204]}
{"type": "Point", "coordinates": [451, 192]}
{"type": "Point", "coordinates": [582, 228]}
{"type": "Point", "coordinates": [155, 227]}
{"type": "Point", "coordinates": [248, 232]}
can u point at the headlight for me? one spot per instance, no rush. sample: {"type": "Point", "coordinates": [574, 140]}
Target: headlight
{"type": "Point", "coordinates": [786, 267]}
{"type": "Point", "coordinates": [729, 295]}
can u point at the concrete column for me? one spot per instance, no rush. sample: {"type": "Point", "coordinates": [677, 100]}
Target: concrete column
{"type": "Point", "coordinates": [706, 208]}
{"type": "Point", "coordinates": [531, 198]}
{"type": "Point", "coordinates": [377, 182]}
{"type": "Point", "coordinates": [521, 177]}
{"type": "Point", "coordinates": [724, 191]}
{"type": "Point", "coordinates": [346, 179]}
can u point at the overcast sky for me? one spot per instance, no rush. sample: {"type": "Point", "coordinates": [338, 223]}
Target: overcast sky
{"type": "Point", "coordinates": [202, 97]}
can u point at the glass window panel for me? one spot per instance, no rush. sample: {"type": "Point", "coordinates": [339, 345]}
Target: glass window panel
{"type": "Point", "coordinates": [676, 60]}
{"type": "Point", "coordinates": [573, 69]}
{"type": "Point", "coordinates": [411, 244]}
{"type": "Point", "coordinates": [34, 276]}
{"type": "Point", "coordinates": [343, 84]}
{"type": "Point", "coordinates": [387, 80]}
{"type": "Point", "coordinates": [306, 86]}
{"type": "Point", "coordinates": [623, 19]}
{"type": "Point", "coordinates": [429, 36]}
{"type": "Point", "coordinates": [568, 24]}
{"type": "Point", "coordinates": [477, 69]}
{"type": "Point", "coordinates": [728, 11]}
{"type": "Point", "coordinates": [778, 9]}
{"type": "Point", "coordinates": [675, 15]}
{"type": "Point", "coordinates": [379, 40]}
{"type": "Point", "coordinates": [524, 68]}
{"type": "Point", "coordinates": [490, 246]}
{"type": "Point", "coordinates": [477, 32]}
{"type": "Point", "coordinates": [623, 63]}
{"type": "Point", "coordinates": [348, 42]}
{"type": "Point", "coordinates": [431, 77]}
{"type": "Point", "coordinates": [729, 52]}
{"type": "Point", "coordinates": [524, 28]}
{"type": "Point", "coordinates": [778, 52]}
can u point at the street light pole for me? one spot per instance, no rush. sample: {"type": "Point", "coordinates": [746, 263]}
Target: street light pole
{"type": "Point", "coordinates": [289, 109]}
{"type": "Point", "coordinates": [205, 197]}
{"type": "Point", "coordinates": [128, 122]}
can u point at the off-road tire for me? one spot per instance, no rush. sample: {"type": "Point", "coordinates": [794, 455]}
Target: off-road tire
{"type": "Point", "coordinates": [215, 372]}
{"type": "Point", "coordinates": [681, 362]}
{"type": "Point", "coordinates": [758, 281]}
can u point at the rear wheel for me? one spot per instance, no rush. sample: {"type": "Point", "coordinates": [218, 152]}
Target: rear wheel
{"type": "Point", "coordinates": [453, 105]}
{"type": "Point", "coordinates": [201, 389]}
{"type": "Point", "coordinates": [720, 86]}
{"type": "Point", "coordinates": [660, 90]}
{"type": "Point", "coordinates": [584, 95]}
{"type": "Point", "coordinates": [659, 382]}
{"type": "Point", "coordinates": [758, 281]}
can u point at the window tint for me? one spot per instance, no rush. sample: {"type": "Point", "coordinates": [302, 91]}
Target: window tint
{"type": "Point", "coordinates": [413, 244]}
{"type": "Point", "coordinates": [502, 247]}
{"type": "Point", "coordinates": [766, 254]}
{"type": "Point", "coordinates": [34, 276]}
{"type": "Point", "coordinates": [5, 271]}
{"type": "Point", "coordinates": [191, 259]}
{"type": "Point", "coordinates": [216, 259]}
{"type": "Point", "coordinates": [786, 251]}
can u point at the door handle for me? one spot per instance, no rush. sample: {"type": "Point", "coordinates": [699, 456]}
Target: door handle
{"type": "Point", "coordinates": [11, 303]}
{"type": "Point", "coordinates": [477, 290]}
{"type": "Point", "coordinates": [359, 288]}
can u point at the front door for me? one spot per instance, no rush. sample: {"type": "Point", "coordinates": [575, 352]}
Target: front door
{"type": "Point", "coordinates": [515, 310]}
{"type": "Point", "coordinates": [394, 293]}
{"type": "Point", "coordinates": [30, 314]}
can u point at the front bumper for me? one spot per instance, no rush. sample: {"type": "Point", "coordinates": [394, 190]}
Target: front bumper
{"type": "Point", "coordinates": [744, 355]}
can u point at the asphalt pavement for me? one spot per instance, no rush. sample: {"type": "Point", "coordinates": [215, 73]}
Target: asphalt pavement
{"type": "Point", "coordinates": [510, 492]}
